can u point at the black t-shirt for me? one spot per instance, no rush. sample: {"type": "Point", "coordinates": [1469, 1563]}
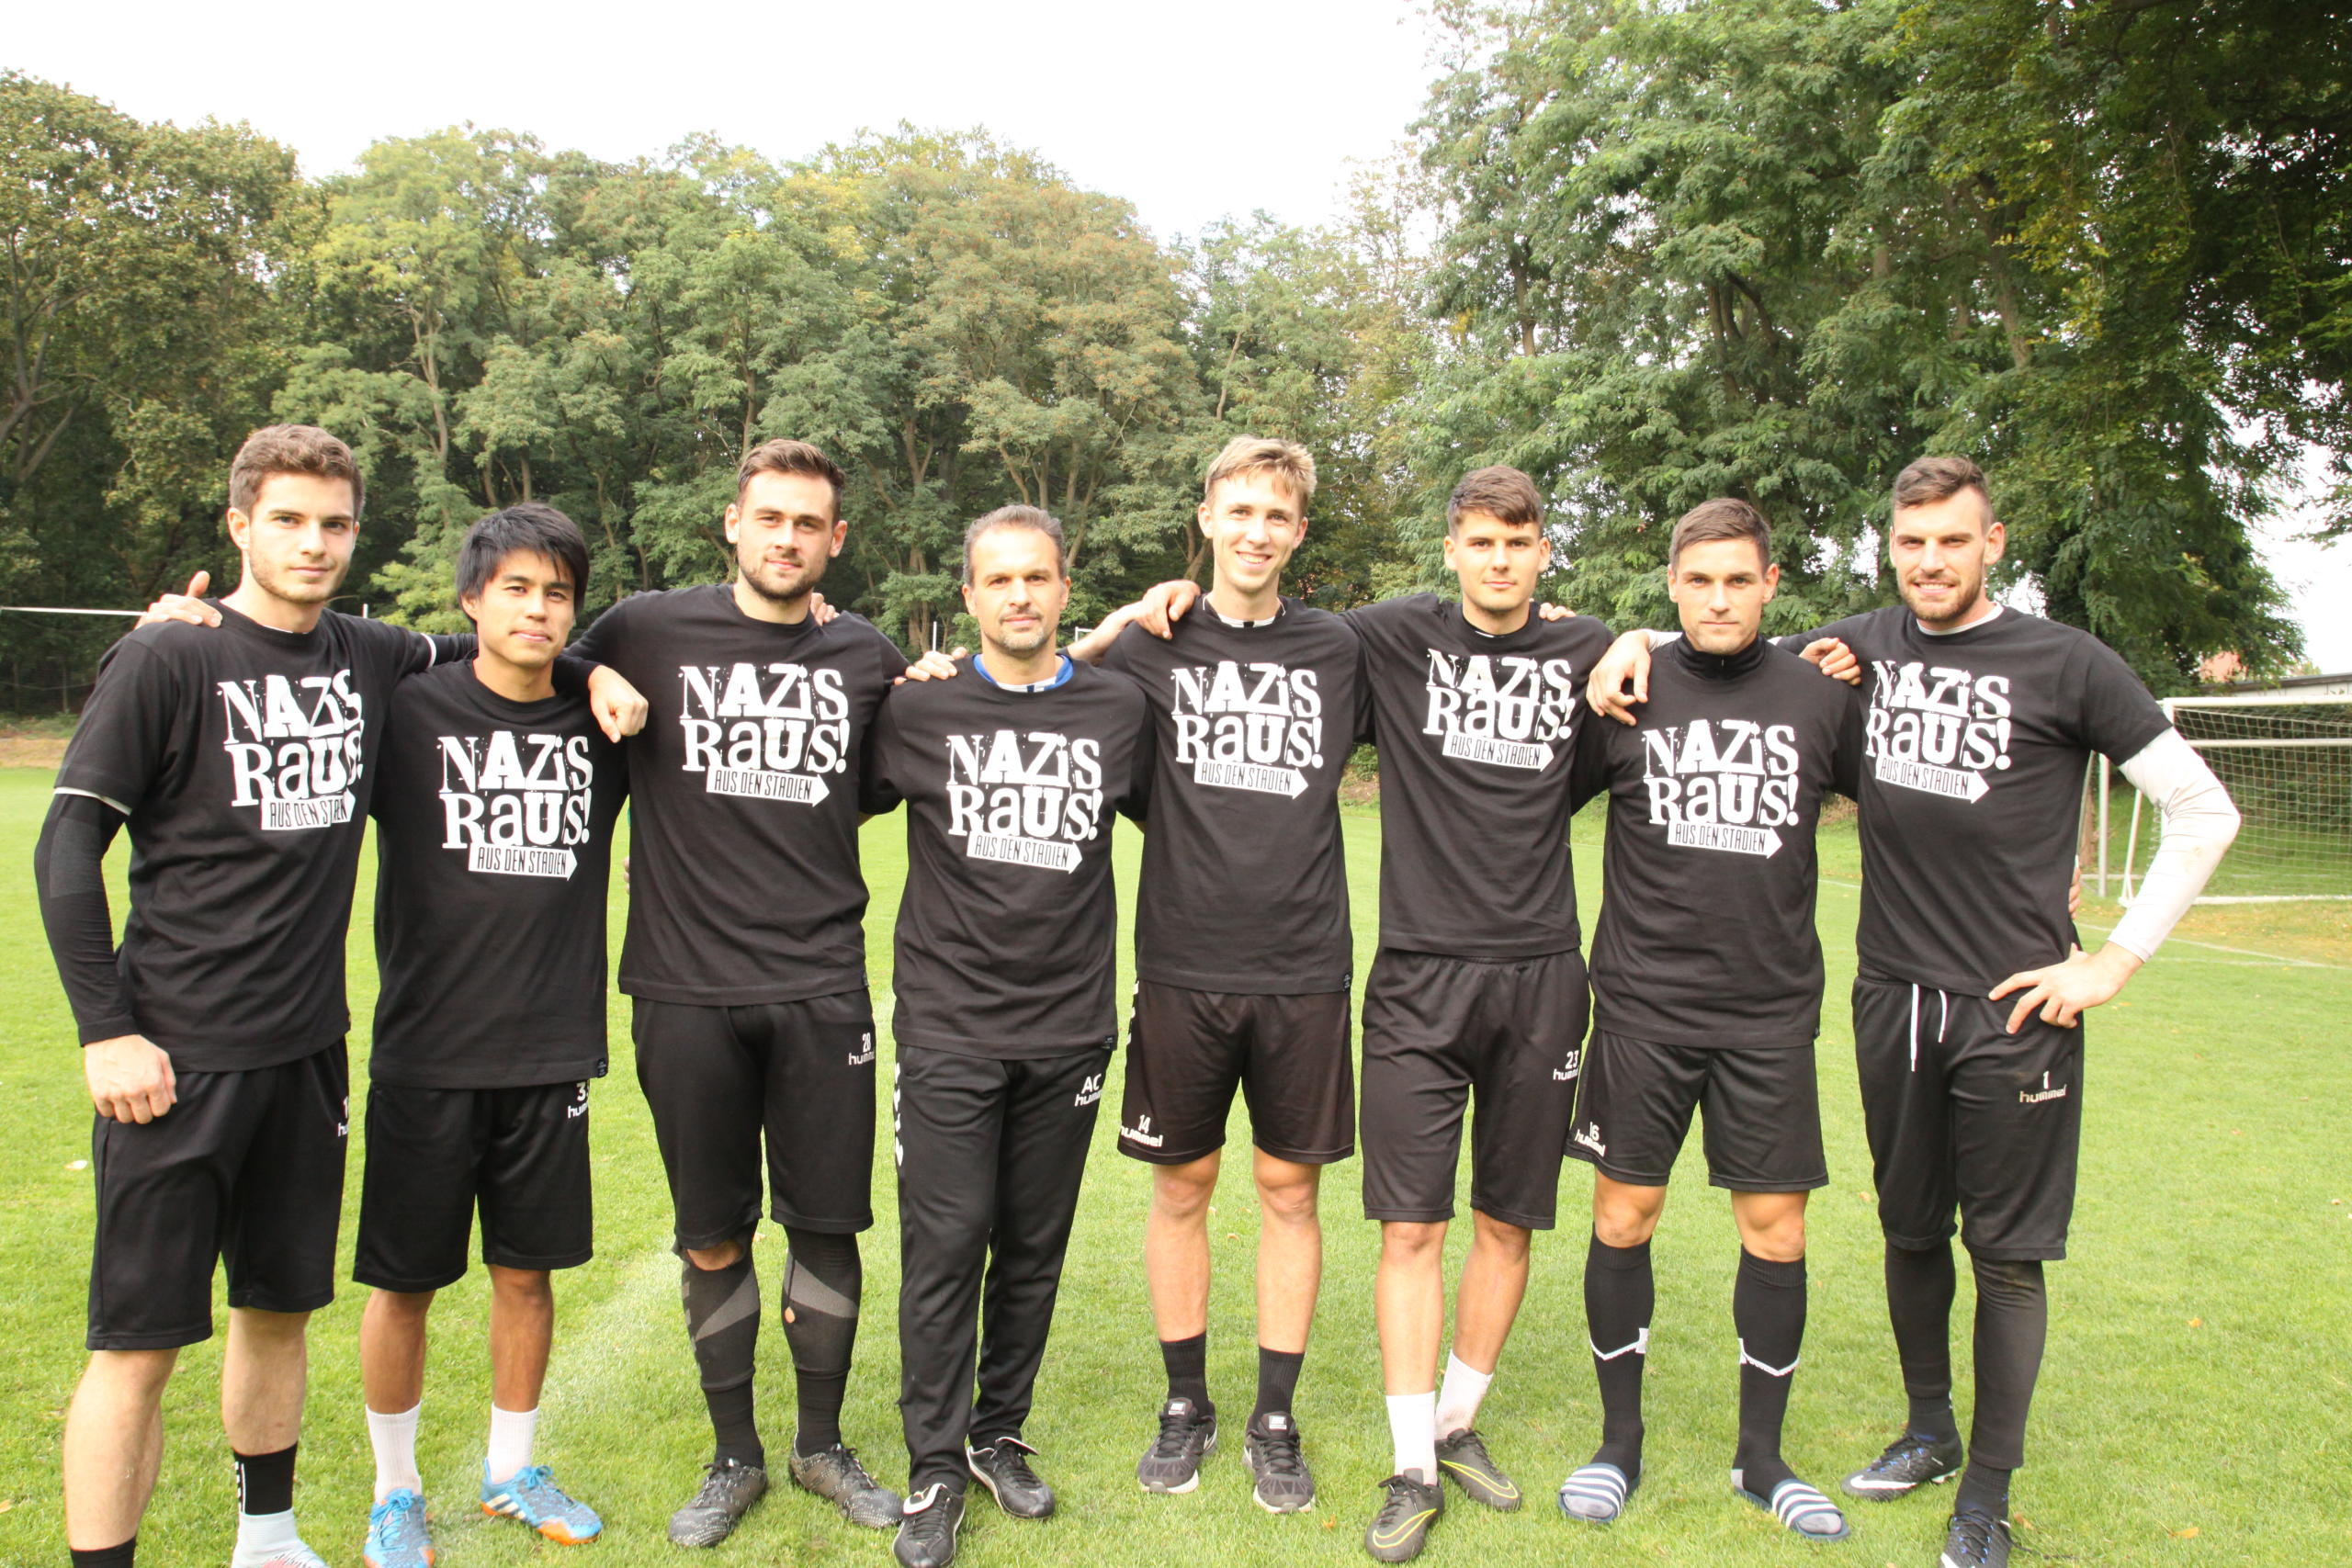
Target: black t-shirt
{"type": "Point", "coordinates": [245, 757]}
{"type": "Point", "coordinates": [1475, 736]}
{"type": "Point", "coordinates": [744, 885]}
{"type": "Point", "coordinates": [1706, 933]}
{"type": "Point", "coordinates": [1008, 923]}
{"type": "Point", "coordinates": [1245, 888]}
{"type": "Point", "coordinates": [494, 833]}
{"type": "Point", "coordinates": [1971, 788]}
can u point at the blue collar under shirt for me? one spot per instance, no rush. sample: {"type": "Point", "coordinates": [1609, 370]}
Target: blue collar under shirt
{"type": "Point", "coordinates": [1062, 672]}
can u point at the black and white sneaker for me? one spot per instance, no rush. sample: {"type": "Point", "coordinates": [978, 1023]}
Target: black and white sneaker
{"type": "Point", "coordinates": [1402, 1526]}
{"type": "Point", "coordinates": [1975, 1540]}
{"type": "Point", "coordinates": [1464, 1457]}
{"type": "Point", "coordinates": [1909, 1462]}
{"type": "Point", "coordinates": [1003, 1468]}
{"type": "Point", "coordinates": [1187, 1436]}
{"type": "Point", "coordinates": [727, 1491]}
{"type": "Point", "coordinates": [927, 1528]}
{"type": "Point", "coordinates": [1284, 1484]}
{"type": "Point", "coordinates": [836, 1475]}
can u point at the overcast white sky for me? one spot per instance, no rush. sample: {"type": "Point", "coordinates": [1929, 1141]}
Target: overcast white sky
{"type": "Point", "coordinates": [1194, 112]}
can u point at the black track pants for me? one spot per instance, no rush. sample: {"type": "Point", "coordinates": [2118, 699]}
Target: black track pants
{"type": "Point", "coordinates": [990, 1153]}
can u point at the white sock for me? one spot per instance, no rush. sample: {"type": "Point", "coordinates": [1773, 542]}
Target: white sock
{"type": "Point", "coordinates": [1458, 1397]}
{"type": "Point", "coordinates": [394, 1439]}
{"type": "Point", "coordinates": [510, 1432]}
{"type": "Point", "coordinates": [261, 1535]}
{"type": "Point", "coordinates": [1412, 1430]}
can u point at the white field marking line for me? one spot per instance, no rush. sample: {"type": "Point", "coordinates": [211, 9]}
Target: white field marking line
{"type": "Point", "coordinates": [583, 1372]}
{"type": "Point", "coordinates": [2185, 942]}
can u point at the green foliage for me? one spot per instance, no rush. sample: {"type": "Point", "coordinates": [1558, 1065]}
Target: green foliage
{"type": "Point", "coordinates": [1778, 248]}
{"type": "Point", "coordinates": [1652, 251]}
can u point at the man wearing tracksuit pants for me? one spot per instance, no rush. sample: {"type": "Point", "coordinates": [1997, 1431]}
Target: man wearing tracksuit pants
{"type": "Point", "coordinates": [1005, 1013]}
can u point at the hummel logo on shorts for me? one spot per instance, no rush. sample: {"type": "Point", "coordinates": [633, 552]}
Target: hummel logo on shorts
{"type": "Point", "coordinates": [2036, 1095]}
{"type": "Point", "coordinates": [1590, 1136]}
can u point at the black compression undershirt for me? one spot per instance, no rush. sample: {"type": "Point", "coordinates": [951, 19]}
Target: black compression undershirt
{"type": "Point", "coordinates": [69, 865]}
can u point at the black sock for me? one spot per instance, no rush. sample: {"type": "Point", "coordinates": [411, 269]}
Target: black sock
{"type": "Point", "coordinates": [1768, 1312]}
{"type": "Point", "coordinates": [123, 1556]}
{"type": "Point", "coordinates": [1187, 1361]}
{"type": "Point", "coordinates": [2012, 1320]}
{"type": "Point", "coordinates": [1618, 1295]}
{"type": "Point", "coordinates": [1277, 1380]}
{"type": "Point", "coordinates": [1983, 1489]}
{"type": "Point", "coordinates": [723, 1317]}
{"type": "Point", "coordinates": [823, 1280]}
{"type": "Point", "coordinates": [266, 1482]}
{"type": "Point", "coordinates": [1918, 1303]}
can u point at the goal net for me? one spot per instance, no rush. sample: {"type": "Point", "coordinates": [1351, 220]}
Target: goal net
{"type": "Point", "coordinates": [2285, 755]}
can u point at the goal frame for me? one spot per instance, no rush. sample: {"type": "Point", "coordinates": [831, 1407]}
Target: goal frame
{"type": "Point", "coordinates": [2302, 691]}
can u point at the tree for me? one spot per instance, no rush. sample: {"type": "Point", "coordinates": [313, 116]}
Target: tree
{"type": "Point", "coordinates": [1741, 246]}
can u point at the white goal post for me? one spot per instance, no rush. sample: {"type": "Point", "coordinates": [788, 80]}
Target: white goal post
{"type": "Point", "coordinates": [2284, 752]}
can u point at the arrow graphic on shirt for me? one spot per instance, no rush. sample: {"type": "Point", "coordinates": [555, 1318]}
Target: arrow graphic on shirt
{"type": "Point", "coordinates": [521, 859]}
{"type": "Point", "coordinates": [1535, 755]}
{"type": "Point", "coordinates": [1765, 842]}
{"type": "Point", "coordinates": [757, 784]}
{"type": "Point", "coordinates": [1960, 783]}
{"type": "Point", "coordinates": [1249, 775]}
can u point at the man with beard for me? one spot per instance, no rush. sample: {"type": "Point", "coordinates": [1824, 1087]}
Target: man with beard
{"type": "Point", "coordinates": [746, 956]}
{"type": "Point", "coordinates": [242, 760]}
{"type": "Point", "coordinates": [1005, 1020]}
{"type": "Point", "coordinates": [1980, 722]}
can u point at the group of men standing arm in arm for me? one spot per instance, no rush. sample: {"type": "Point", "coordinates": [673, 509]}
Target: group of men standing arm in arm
{"type": "Point", "coordinates": [258, 739]}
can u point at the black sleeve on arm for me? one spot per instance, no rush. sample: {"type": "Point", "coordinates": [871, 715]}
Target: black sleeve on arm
{"type": "Point", "coordinates": [571, 673]}
{"type": "Point", "coordinates": [68, 869]}
{"type": "Point", "coordinates": [1587, 761]}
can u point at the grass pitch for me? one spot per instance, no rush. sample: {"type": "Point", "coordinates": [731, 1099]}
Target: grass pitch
{"type": "Point", "coordinates": [2196, 1407]}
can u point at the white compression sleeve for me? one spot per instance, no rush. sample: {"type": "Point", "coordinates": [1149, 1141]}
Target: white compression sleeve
{"type": "Point", "coordinates": [2199, 823]}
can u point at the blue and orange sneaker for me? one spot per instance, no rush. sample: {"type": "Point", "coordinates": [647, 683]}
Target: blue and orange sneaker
{"type": "Point", "coordinates": [532, 1497]}
{"type": "Point", "coordinates": [396, 1534]}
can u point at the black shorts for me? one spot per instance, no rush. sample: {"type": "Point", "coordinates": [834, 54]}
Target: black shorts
{"type": "Point", "coordinates": [1761, 1104]}
{"type": "Point", "coordinates": [800, 1074]}
{"type": "Point", "coordinates": [245, 1168]}
{"type": "Point", "coordinates": [1437, 1030]}
{"type": "Point", "coordinates": [1963, 1116]}
{"type": "Point", "coordinates": [434, 1154]}
{"type": "Point", "coordinates": [1188, 1051]}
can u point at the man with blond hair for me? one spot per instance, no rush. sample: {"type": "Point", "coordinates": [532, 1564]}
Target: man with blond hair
{"type": "Point", "coordinates": [1243, 956]}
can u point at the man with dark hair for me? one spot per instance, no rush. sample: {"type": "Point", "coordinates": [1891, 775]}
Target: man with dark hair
{"type": "Point", "coordinates": [1980, 722]}
{"type": "Point", "coordinates": [1707, 977]}
{"type": "Point", "coordinates": [746, 956]}
{"type": "Point", "coordinates": [243, 761]}
{"type": "Point", "coordinates": [1478, 988]}
{"type": "Point", "coordinates": [1005, 1020]}
{"type": "Point", "coordinates": [494, 811]}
